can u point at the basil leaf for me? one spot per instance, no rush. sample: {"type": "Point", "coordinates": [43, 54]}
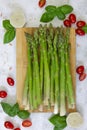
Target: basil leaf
{"type": "Point", "coordinates": [6, 107]}
{"type": "Point", "coordinates": [57, 128]}
{"type": "Point", "coordinates": [84, 28]}
{"type": "Point", "coordinates": [66, 9]}
{"type": "Point", "coordinates": [50, 8]}
{"type": "Point", "coordinates": [23, 114]}
{"type": "Point", "coordinates": [14, 110]}
{"type": "Point", "coordinates": [61, 126]}
{"type": "Point", "coordinates": [7, 25]}
{"type": "Point", "coordinates": [58, 120]}
{"type": "Point", "coordinates": [60, 14]}
{"type": "Point", "coordinates": [9, 36]}
{"type": "Point", "coordinates": [47, 17]}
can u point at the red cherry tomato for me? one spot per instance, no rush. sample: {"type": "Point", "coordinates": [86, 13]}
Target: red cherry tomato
{"type": "Point", "coordinates": [72, 18]}
{"type": "Point", "coordinates": [80, 32]}
{"type": "Point", "coordinates": [80, 69]}
{"type": "Point", "coordinates": [3, 94]}
{"type": "Point", "coordinates": [26, 123]}
{"type": "Point", "coordinates": [10, 81]}
{"type": "Point", "coordinates": [82, 76]}
{"type": "Point", "coordinates": [80, 24]}
{"type": "Point", "coordinates": [17, 129]}
{"type": "Point", "coordinates": [67, 23]}
{"type": "Point", "coordinates": [8, 125]}
{"type": "Point", "coordinates": [42, 3]}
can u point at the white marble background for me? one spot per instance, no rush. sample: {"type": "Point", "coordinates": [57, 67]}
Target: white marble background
{"type": "Point", "coordinates": [8, 59]}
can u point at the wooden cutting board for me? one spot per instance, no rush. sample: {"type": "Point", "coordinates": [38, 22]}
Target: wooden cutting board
{"type": "Point", "coordinates": [21, 62]}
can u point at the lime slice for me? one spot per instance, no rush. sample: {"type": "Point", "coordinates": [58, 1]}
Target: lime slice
{"type": "Point", "coordinates": [17, 18]}
{"type": "Point", "coordinates": [74, 120]}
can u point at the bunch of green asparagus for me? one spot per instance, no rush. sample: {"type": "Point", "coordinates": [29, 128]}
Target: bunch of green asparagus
{"type": "Point", "coordinates": [48, 80]}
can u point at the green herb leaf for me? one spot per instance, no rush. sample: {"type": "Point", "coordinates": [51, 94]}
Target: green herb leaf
{"type": "Point", "coordinates": [52, 11]}
{"type": "Point", "coordinates": [57, 128]}
{"type": "Point", "coordinates": [6, 107]}
{"type": "Point", "coordinates": [58, 121]}
{"type": "Point", "coordinates": [84, 28]}
{"type": "Point", "coordinates": [14, 110]}
{"type": "Point", "coordinates": [23, 114]}
{"type": "Point", "coordinates": [9, 36]}
{"type": "Point", "coordinates": [60, 126]}
{"type": "Point", "coordinates": [50, 8]}
{"type": "Point", "coordinates": [10, 33]}
{"type": "Point", "coordinates": [47, 17]}
{"type": "Point", "coordinates": [7, 25]}
{"type": "Point", "coordinates": [66, 9]}
{"type": "Point", "coordinates": [60, 14]}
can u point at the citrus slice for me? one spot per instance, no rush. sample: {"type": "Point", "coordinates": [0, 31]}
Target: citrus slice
{"type": "Point", "coordinates": [74, 120]}
{"type": "Point", "coordinates": [17, 18]}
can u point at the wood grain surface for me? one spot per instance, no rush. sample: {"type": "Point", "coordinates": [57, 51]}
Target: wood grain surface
{"type": "Point", "coordinates": [21, 63]}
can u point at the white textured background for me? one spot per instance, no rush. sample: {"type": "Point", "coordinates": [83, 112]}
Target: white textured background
{"type": "Point", "coordinates": [8, 59]}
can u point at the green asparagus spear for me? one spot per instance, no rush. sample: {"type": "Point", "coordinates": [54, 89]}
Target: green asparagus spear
{"type": "Point", "coordinates": [36, 82]}
{"type": "Point", "coordinates": [56, 73]}
{"type": "Point", "coordinates": [37, 74]}
{"type": "Point", "coordinates": [42, 32]}
{"type": "Point", "coordinates": [50, 36]}
{"type": "Point", "coordinates": [69, 89]}
{"type": "Point", "coordinates": [62, 72]}
{"type": "Point", "coordinates": [41, 69]}
{"type": "Point", "coordinates": [26, 89]}
{"type": "Point", "coordinates": [35, 105]}
{"type": "Point", "coordinates": [29, 71]}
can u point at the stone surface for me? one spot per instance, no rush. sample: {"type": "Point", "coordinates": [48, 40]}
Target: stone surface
{"type": "Point", "coordinates": [8, 59]}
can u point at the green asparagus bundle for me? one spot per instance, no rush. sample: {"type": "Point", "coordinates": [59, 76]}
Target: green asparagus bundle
{"type": "Point", "coordinates": [48, 80]}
